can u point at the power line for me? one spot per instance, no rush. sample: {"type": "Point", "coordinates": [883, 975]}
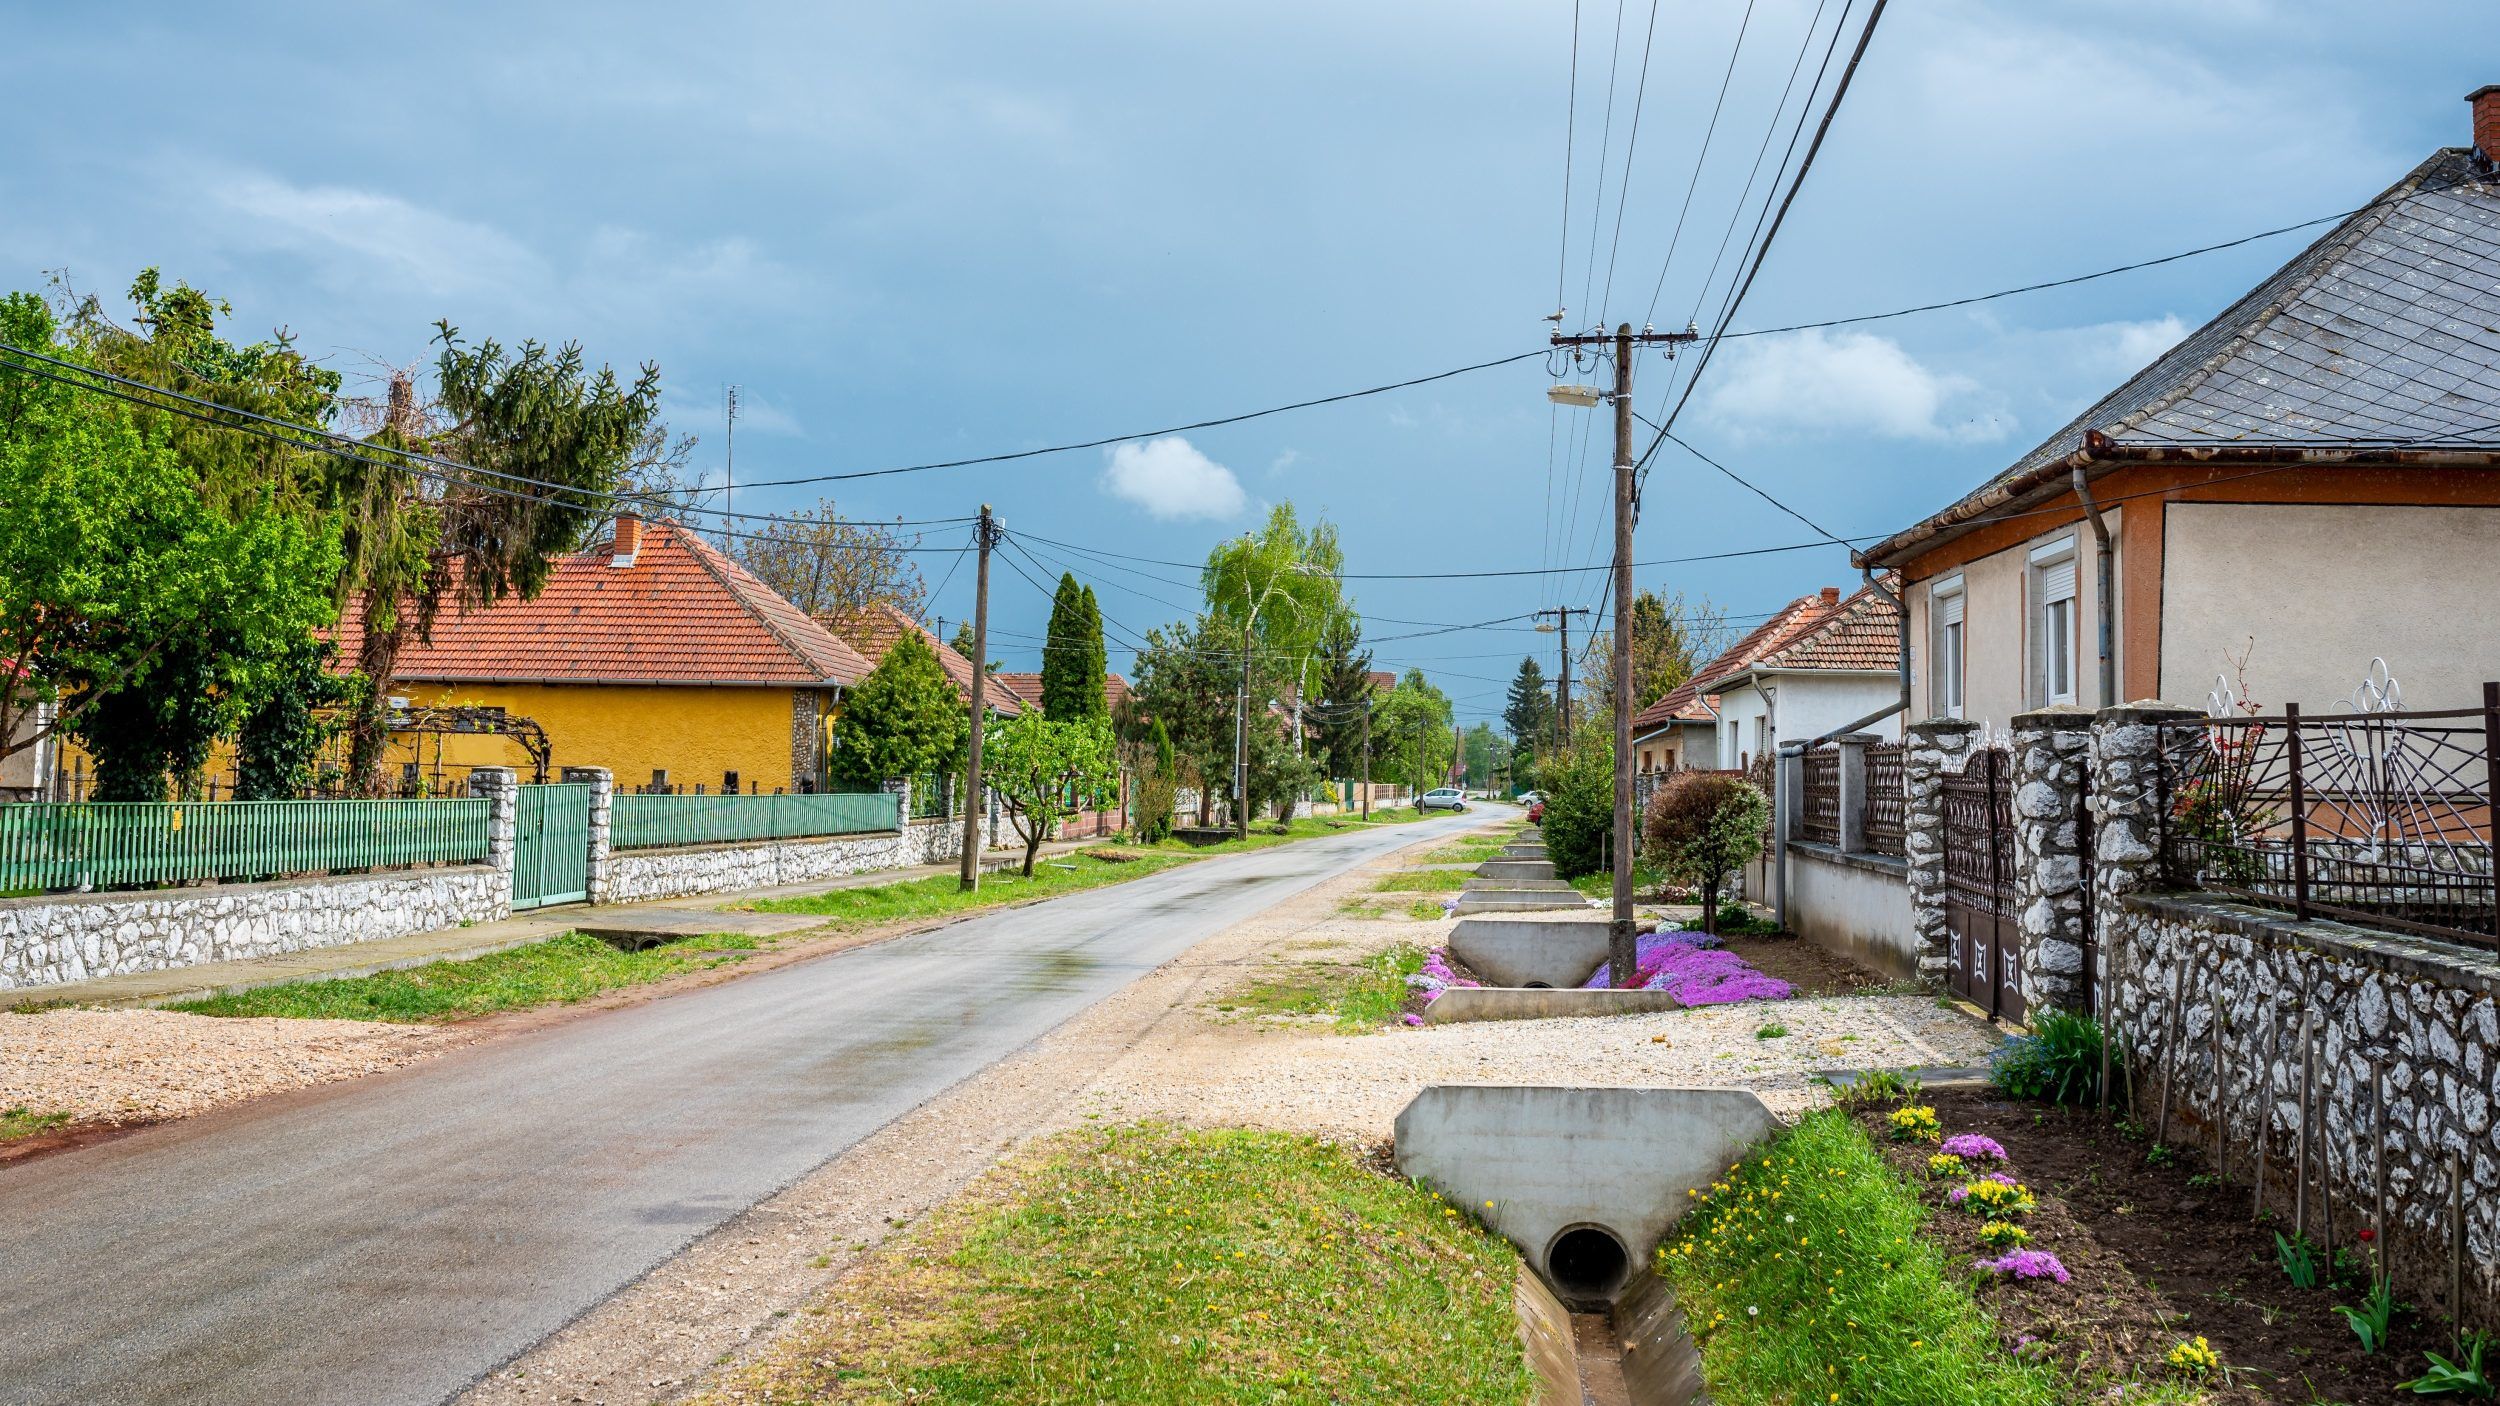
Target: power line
{"type": "Point", "coordinates": [1699, 159]}
{"type": "Point", "coordinates": [1571, 123]}
{"type": "Point", "coordinates": [1631, 144]}
{"type": "Point", "coordinates": [1805, 46]}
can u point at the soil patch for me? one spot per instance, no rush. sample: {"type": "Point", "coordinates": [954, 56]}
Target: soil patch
{"type": "Point", "coordinates": [1810, 969]}
{"type": "Point", "coordinates": [2158, 1257]}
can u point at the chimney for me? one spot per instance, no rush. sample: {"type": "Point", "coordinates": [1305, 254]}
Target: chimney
{"type": "Point", "coordinates": [1831, 596]}
{"type": "Point", "coordinates": [2486, 101]}
{"type": "Point", "coordinates": [628, 540]}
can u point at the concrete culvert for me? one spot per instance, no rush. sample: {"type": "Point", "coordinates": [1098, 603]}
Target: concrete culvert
{"type": "Point", "coordinates": [1540, 986]}
{"type": "Point", "coordinates": [1587, 1263]}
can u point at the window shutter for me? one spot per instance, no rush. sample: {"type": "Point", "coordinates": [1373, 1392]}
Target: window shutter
{"type": "Point", "coordinates": [2057, 580]}
{"type": "Point", "coordinates": [1949, 609]}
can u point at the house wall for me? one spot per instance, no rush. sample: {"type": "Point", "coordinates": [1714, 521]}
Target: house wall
{"type": "Point", "coordinates": [2390, 582]}
{"type": "Point", "coordinates": [1740, 708]}
{"type": "Point", "coordinates": [696, 734]}
{"type": "Point", "coordinates": [1855, 904]}
{"type": "Point", "coordinates": [1802, 706]}
{"type": "Point", "coordinates": [1996, 620]}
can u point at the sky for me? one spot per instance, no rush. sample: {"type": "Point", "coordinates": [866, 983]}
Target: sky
{"type": "Point", "coordinates": [929, 232]}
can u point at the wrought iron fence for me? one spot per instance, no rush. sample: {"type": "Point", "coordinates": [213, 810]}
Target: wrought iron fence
{"type": "Point", "coordinates": [1818, 821]}
{"type": "Point", "coordinates": [643, 821]}
{"type": "Point", "coordinates": [2380, 818]}
{"type": "Point", "coordinates": [1887, 799]}
{"type": "Point", "coordinates": [140, 844]}
{"type": "Point", "coordinates": [933, 797]}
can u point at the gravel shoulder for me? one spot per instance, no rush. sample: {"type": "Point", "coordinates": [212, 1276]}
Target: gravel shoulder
{"type": "Point", "coordinates": [117, 1068]}
{"type": "Point", "coordinates": [1161, 1049]}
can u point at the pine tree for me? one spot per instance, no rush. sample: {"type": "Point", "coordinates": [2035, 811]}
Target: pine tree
{"type": "Point", "coordinates": [1345, 689]}
{"type": "Point", "coordinates": [1072, 656]}
{"type": "Point", "coordinates": [1529, 713]}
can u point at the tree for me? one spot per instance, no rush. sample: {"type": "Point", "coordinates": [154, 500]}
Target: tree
{"type": "Point", "coordinates": [417, 542]}
{"type": "Point", "coordinates": [1157, 782]}
{"type": "Point", "coordinates": [153, 571]}
{"type": "Point", "coordinates": [1579, 788]}
{"type": "Point", "coordinates": [285, 724]}
{"type": "Point", "coordinates": [834, 569]}
{"type": "Point", "coordinates": [1671, 638]}
{"type": "Point", "coordinates": [1411, 732]}
{"type": "Point", "coordinates": [1278, 773]}
{"type": "Point", "coordinates": [1185, 682]}
{"type": "Point", "coordinates": [1345, 691]}
{"type": "Point", "coordinates": [1276, 592]}
{"type": "Point", "coordinates": [1072, 655]}
{"type": "Point", "coordinates": [1702, 827]}
{"type": "Point", "coordinates": [903, 721]}
{"type": "Point", "coordinates": [1529, 710]}
{"type": "Point", "coordinates": [1488, 756]}
{"type": "Point", "coordinates": [1045, 770]}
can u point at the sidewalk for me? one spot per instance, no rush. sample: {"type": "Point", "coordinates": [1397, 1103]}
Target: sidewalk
{"type": "Point", "coordinates": [661, 919]}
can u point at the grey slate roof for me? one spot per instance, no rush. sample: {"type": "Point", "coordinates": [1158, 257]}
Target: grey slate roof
{"type": "Point", "coordinates": [2384, 332]}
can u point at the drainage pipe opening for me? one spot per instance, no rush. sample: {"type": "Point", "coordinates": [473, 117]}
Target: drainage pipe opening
{"type": "Point", "coordinates": [1587, 1262]}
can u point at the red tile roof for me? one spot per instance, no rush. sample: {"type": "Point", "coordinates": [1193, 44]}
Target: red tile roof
{"type": "Point", "coordinates": [1684, 702]}
{"type": "Point", "coordinates": [681, 613]}
{"type": "Point", "coordinates": [1863, 634]}
{"type": "Point", "coordinates": [1027, 689]}
{"type": "Point", "coordinates": [874, 631]}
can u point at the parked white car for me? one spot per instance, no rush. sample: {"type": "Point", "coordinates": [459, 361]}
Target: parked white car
{"type": "Point", "coordinates": [1442, 798]}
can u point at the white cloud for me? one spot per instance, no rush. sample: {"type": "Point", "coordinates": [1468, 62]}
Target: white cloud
{"type": "Point", "coordinates": [1847, 382]}
{"type": "Point", "coordinates": [1170, 479]}
{"type": "Point", "coordinates": [2132, 346]}
{"type": "Point", "coordinates": [348, 235]}
{"type": "Point", "coordinates": [1284, 461]}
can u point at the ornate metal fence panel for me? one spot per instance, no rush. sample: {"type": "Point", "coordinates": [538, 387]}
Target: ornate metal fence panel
{"type": "Point", "coordinates": [1819, 819]}
{"type": "Point", "coordinates": [1887, 798]}
{"type": "Point", "coordinates": [1984, 965]}
{"type": "Point", "coordinates": [2382, 818]}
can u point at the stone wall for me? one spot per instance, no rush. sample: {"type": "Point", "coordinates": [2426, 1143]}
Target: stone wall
{"type": "Point", "coordinates": [2051, 754]}
{"type": "Point", "coordinates": [2420, 1016]}
{"type": "Point", "coordinates": [1936, 748]}
{"type": "Point", "coordinates": [634, 875]}
{"type": "Point", "coordinates": [72, 937]}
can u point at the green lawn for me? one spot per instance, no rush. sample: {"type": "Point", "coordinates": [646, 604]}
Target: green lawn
{"type": "Point", "coordinates": [1149, 1266]}
{"type": "Point", "coordinates": [1424, 881]}
{"type": "Point", "coordinates": [23, 1122]}
{"type": "Point", "coordinates": [561, 969]}
{"type": "Point", "coordinates": [1361, 996]}
{"type": "Point", "coordinates": [940, 895]}
{"type": "Point", "coordinates": [1805, 1278]}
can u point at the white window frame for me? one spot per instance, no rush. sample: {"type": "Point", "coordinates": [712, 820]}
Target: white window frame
{"type": "Point", "coordinates": [2055, 624]}
{"type": "Point", "coordinates": [1948, 652]}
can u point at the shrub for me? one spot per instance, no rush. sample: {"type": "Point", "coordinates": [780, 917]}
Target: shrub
{"type": "Point", "coordinates": [1579, 819]}
{"type": "Point", "coordinates": [2058, 1062]}
{"type": "Point", "coordinates": [1702, 828]}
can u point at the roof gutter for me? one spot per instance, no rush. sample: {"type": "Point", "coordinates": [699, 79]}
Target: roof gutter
{"type": "Point", "coordinates": [2099, 451]}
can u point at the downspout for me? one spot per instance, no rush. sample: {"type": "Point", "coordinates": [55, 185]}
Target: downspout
{"type": "Point", "coordinates": [2101, 592]}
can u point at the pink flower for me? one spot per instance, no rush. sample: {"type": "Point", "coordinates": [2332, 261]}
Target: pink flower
{"type": "Point", "coordinates": [1410, 1018]}
{"type": "Point", "coordinates": [2026, 1264]}
{"type": "Point", "coordinates": [1972, 1147]}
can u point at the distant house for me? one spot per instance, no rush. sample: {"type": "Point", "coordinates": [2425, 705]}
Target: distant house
{"type": "Point", "coordinates": [1682, 731]}
{"type": "Point", "coordinates": [652, 654]}
{"type": "Point", "coordinates": [2304, 484]}
{"type": "Point", "coordinates": [873, 631]}
{"type": "Point", "coordinates": [1026, 689]}
{"type": "Point", "coordinates": [1830, 671]}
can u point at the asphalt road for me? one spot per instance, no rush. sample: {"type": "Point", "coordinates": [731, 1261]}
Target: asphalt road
{"type": "Point", "coordinates": [397, 1238]}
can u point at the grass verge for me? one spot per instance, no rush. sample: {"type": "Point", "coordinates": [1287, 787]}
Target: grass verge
{"type": "Point", "coordinates": [1361, 996]}
{"type": "Point", "coordinates": [1804, 1277]}
{"type": "Point", "coordinates": [938, 896]}
{"type": "Point", "coordinates": [1149, 1266]}
{"type": "Point", "coordinates": [561, 969]}
{"type": "Point", "coordinates": [25, 1122]}
{"type": "Point", "coordinates": [1424, 881]}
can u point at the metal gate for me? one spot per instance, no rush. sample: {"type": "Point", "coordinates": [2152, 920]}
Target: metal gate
{"type": "Point", "coordinates": [551, 845]}
{"type": "Point", "coordinates": [1985, 965]}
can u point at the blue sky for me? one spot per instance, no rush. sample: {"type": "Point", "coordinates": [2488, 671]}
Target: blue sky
{"type": "Point", "coordinates": [930, 231]}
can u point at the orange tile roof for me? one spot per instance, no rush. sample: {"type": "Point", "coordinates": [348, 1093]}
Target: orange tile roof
{"type": "Point", "coordinates": [874, 631]}
{"type": "Point", "coordinates": [1783, 625]}
{"type": "Point", "coordinates": [1027, 689]}
{"type": "Point", "coordinates": [1863, 634]}
{"type": "Point", "coordinates": [682, 613]}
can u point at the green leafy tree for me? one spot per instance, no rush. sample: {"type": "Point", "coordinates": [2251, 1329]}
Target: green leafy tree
{"type": "Point", "coordinates": [1487, 754]}
{"type": "Point", "coordinates": [1279, 775]}
{"type": "Point", "coordinates": [1185, 682]}
{"type": "Point", "coordinates": [149, 577]}
{"type": "Point", "coordinates": [903, 721]}
{"type": "Point", "coordinates": [1157, 790]}
{"type": "Point", "coordinates": [1044, 771]}
{"type": "Point", "coordinates": [1072, 655]}
{"type": "Point", "coordinates": [1700, 829]}
{"type": "Point", "coordinates": [1345, 690]}
{"type": "Point", "coordinates": [286, 723]}
{"type": "Point", "coordinates": [1529, 709]}
{"type": "Point", "coordinates": [1579, 788]}
{"type": "Point", "coordinates": [1274, 594]}
{"type": "Point", "coordinates": [1671, 637]}
{"type": "Point", "coordinates": [1411, 733]}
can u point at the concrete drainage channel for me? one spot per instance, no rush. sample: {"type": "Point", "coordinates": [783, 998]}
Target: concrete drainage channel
{"type": "Point", "coordinates": [1586, 1182]}
{"type": "Point", "coordinates": [1535, 939]}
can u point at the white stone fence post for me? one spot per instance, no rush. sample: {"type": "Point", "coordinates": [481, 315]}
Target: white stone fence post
{"type": "Point", "coordinates": [602, 783]}
{"type": "Point", "coordinates": [2051, 748]}
{"type": "Point", "coordinates": [1934, 749]}
{"type": "Point", "coordinates": [499, 785]}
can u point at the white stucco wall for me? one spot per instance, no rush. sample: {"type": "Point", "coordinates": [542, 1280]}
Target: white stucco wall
{"type": "Point", "coordinates": [1995, 627]}
{"type": "Point", "coordinates": [1857, 906]}
{"type": "Point", "coordinates": [2313, 592]}
{"type": "Point", "coordinates": [1803, 706]}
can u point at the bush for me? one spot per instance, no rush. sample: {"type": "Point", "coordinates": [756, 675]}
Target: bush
{"type": "Point", "coordinates": [1579, 819]}
{"type": "Point", "coordinates": [1701, 828]}
{"type": "Point", "coordinates": [1151, 804]}
{"type": "Point", "coordinates": [2058, 1062]}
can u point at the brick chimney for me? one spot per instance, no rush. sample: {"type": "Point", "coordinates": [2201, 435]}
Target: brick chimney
{"type": "Point", "coordinates": [628, 540]}
{"type": "Point", "coordinates": [1831, 596]}
{"type": "Point", "coordinates": [2486, 101]}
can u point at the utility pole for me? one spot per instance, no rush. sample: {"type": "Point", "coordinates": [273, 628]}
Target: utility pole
{"type": "Point", "coordinates": [1241, 739]}
{"type": "Point", "coordinates": [986, 534]}
{"type": "Point", "coordinates": [1562, 680]}
{"type": "Point", "coordinates": [1367, 750]}
{"type": "Point", "coordinates": [729, 466]}
{"type": "Point", "coordinates": [1621, 953]}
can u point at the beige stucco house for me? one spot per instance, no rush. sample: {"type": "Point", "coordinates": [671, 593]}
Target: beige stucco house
{"type": "Point", "coordinates": [2308, 483]}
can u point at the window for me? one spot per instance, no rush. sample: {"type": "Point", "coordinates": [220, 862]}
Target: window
{"type": "Point", "coordinates": [1946, 651]}
{"type": "Point", "coordinates": [2053, 618]}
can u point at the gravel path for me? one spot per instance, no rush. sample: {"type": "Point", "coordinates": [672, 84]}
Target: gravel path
{"type": "Point", "coordinates": [140, 1066]}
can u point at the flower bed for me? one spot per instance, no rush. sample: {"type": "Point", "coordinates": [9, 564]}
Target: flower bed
{"type": "Point", "coordinates": [1693, 968]}
{"type": "Point", "coordinates": [1440, 973]}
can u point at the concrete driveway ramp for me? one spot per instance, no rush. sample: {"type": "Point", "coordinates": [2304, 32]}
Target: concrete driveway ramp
{"type": "Point", "coordinates": [1516, 869]}
{"type": "Point", "coordinates": [1464, 1003]}
{"type": "Point", "coordinates": [1514, 900]}
{"type": "Point", "coordinates": [1557, 950]}
{"type": "Point", "coordinates": [1584, 1181]}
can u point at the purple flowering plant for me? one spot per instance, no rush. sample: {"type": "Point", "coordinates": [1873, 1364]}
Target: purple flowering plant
{"type": "Point", "coordinates": [1696, 975]}
{"type": "Point", "coordinates": [2026, 1264]}
{"type": "Point", "coordinates": [1974, 1147]}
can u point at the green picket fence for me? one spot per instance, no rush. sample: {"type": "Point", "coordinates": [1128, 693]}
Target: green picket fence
{"type": "Point", "coordinates": [136, 844]}
{"type": "Point", "coordinates": [657, 822]}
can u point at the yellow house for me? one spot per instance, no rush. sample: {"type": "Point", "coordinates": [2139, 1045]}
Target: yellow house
{"type": "Point", "coordinates": [652, 654]}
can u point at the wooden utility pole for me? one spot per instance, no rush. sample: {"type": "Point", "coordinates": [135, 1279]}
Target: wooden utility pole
{"type": "Point", "coordinates": [1562, 680]}
{"type": "Point", "coordinates": [986, 534]}
{"type": "Point", "coordinates": [1621, 949]}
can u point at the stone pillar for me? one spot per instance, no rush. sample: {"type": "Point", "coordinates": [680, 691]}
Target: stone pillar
{"type": "Point", "coordinates": [2051, 748]}
{"type": "Point", "coordinates": [1853, 791]}
{"type": "Point", "coordinates": [602, 783]}
{"type": "Point", "coordinates": [1935, 749]}
{"type": "Point", "coordinates": [2127, 800]}
{"type": "Point", "coordinates": [499, 785]}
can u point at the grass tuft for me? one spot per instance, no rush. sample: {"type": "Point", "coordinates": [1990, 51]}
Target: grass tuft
{"type": "Point", "coordinates": [1151, 1266]}
{"type": "Point", "coordinates": [1423, 881]}
{"type": "Point", "coordinates": [1361, 996]}
{"type": "Point", "coordinates": [1804, 1277]}
{"type": "Point", "coordinates": [25, 1122]}
{"type": "Point", "coordinates": [561, 969]}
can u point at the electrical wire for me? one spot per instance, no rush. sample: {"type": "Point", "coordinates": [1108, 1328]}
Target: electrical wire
{"type": "Point", "coordinates": [1699, 159]}
{"type": "Point", "coordinates": [1631, 144]}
